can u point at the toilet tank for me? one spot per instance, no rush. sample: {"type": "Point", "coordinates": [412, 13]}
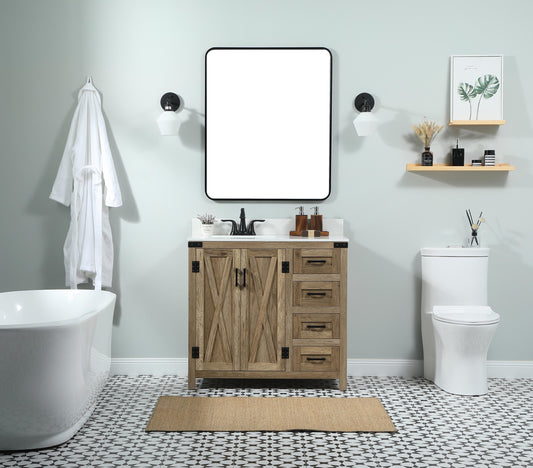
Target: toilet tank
{"type": "Point", "coordinates": [454, 276]}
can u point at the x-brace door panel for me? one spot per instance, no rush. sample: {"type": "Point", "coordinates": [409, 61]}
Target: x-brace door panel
{"type": "Point", "coordinates": [262, 310]}
{"type": "Point", "coordinates": [217, 321]}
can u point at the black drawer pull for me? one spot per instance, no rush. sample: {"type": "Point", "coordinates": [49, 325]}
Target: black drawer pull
{"type": "Point", "coordinates": [315, 326]}
{"type": "Point", "coordinates": [317, 294]}
{"type": "Point", "coordinates": [317, 262]}
{"type": "Point", "coordinates": [316, 358]}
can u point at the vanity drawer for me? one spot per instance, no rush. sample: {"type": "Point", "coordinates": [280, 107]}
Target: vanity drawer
{"type": "Point", "coordinates": [316, 326]}
{"type": "Point", "coordinates": [315, 293]}
{"type": "Point", "coordinates": [316, 359]}
{"type": "Point", "coordinates": [319, 261]}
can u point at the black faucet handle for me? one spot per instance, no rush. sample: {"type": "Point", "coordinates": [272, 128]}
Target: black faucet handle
{"type": "Point", "coordinates": [251, 230]}
{"type": "Point", "coordinates": [233, 226]}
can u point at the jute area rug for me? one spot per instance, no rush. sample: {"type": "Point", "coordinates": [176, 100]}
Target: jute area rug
{"type": "Point", "coordinates": [173, 413]}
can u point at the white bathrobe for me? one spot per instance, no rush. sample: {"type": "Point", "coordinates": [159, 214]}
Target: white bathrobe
{"type": "Point", "coordinates": [87, 181]}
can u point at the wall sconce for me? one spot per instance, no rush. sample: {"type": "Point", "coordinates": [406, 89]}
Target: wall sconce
{"type": "Point", "coordinates": [366, 122]}
{"type": "Point", "coordinates": [168, 121]}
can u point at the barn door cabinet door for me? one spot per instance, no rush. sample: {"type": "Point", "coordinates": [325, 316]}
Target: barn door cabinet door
{"type": "Point", "coordinates": [239, 315]}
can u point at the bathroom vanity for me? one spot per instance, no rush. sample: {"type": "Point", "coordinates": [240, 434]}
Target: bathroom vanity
{"type": "Point", "coordinates": [267, 307]}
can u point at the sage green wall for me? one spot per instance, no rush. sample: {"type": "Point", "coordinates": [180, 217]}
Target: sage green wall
{"type": "Point", "coordinates": [398, 51]}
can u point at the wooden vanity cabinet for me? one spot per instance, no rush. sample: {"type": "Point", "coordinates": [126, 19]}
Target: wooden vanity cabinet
{"type": "Point", "coordinates": [267, 310]}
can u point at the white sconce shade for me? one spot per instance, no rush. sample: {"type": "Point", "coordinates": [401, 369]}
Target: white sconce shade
{"type": "Point", "coordinates": [366, 122]}
{"type": "Point", "coordinates": [168, 122]}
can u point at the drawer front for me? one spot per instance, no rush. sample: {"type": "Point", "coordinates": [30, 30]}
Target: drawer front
{"type": "Point", "coordinates": [315, 294]}
{"type": "Point", "coordinates": [316, 359]}
{"type": "Point", "coordinates": [319, 261]}
{"type": "Point", "coordinates": [313, 326]}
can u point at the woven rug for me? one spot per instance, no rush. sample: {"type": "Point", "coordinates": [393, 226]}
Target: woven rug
{"type": "Point", "coordinates": [173, 413]}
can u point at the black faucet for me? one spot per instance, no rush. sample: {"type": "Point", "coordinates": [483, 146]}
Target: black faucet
{"type": "Point", "coordinates": [242, 229]}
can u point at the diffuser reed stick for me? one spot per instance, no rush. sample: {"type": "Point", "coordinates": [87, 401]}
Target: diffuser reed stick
{"type": "Point", "coordinates": [474, 226]}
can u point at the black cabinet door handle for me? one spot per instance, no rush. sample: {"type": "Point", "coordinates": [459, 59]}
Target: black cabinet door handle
{"type": "Point", "coordinates": [236, 277]}
{"type": "Point", "coordinates": [244, 277]}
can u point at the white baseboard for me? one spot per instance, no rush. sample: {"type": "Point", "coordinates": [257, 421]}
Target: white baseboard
{"type": "Point", "coordinates": [385, 367]}
{"type": "Point", "coordinates": [149, 366]}
{"type": "Point", "coordinates": [356, 367]}
{"type": "Point", "coordinates": [510, 369]}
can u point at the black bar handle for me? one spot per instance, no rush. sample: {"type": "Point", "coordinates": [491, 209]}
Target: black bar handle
{"type": "Point", "coordinates": [244, 277]}
{"type": "Point", "coordinates": [316, 358]}
{"type": "Point", "coordinates": [321, 294]}
{"type": "Point", "coordinates": [236, 277]}
{"type": "Point", "coordinates": [315, 326]}
{"type": "Point", "coordinates": [316, 261]}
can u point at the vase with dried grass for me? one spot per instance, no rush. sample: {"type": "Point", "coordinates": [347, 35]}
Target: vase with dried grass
{"type": "Point", "coordinates": [427, 131]}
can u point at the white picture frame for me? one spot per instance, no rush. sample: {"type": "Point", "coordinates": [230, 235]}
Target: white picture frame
{"type": "Point", "coordinates": [476, 90]}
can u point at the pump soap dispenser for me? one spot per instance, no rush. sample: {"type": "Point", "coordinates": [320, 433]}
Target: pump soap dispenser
{"type": "Point", "coordinates": [300, 222]}
{"type": "Point", "coordinates": [316, 220]}
{"type": "Point", "coordinates": [316, 225]}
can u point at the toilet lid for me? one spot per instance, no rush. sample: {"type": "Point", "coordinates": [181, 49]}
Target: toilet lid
{"type": "Point", "coordinates": [466, 315]}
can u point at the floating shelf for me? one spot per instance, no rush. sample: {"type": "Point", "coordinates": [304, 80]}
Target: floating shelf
{"type": "Point", "coordinates": [476, 122]}
{"type": "Point", "coordinates": [468, 167]}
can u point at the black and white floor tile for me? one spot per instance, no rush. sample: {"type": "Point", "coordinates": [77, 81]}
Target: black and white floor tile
{"type": "Point", "coordinates": [435, 429]}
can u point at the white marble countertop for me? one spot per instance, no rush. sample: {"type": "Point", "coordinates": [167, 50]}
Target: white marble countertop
{"type": "Point", "coordinates": [272, 230]}
{"type": "Point", "coordinates": [285, 238]}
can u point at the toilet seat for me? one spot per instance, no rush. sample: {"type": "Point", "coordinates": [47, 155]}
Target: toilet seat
{"type": "Point", "coordinates": [465, 315]}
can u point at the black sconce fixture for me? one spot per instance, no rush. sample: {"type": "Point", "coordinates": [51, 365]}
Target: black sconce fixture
{"type": "Point", "coordinates": [366, 122]}
{"type": "Point", "coordinates": [168, 121]}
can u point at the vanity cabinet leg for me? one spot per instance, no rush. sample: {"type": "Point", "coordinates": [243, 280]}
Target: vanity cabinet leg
{"type": "Point", "coordinates": [191, 382]}
{"type": "Point", "coordinates": [191, 376]}
{"type": "Point", "coordinates": [343, 382]}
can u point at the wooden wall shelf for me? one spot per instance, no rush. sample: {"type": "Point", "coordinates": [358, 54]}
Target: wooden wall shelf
{"type": "Point", "coordinates": [466, 168]}
{"type": "Point", "coordinates": [476, 122]}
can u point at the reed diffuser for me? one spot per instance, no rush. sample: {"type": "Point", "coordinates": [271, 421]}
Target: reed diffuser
{"type": "Point", "coordinates": [474, 226]}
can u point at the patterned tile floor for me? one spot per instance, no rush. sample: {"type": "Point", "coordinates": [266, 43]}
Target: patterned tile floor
{"type": "Point", "coordinates": [435, 429]}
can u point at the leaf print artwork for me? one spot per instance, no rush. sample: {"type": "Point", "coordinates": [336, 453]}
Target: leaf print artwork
{"type": "Point", "coordinates": [467, 92]}
{"type": "Point", "coordinates": [486, 87]}
{"type": "Point", "coordinates": [476, 90]}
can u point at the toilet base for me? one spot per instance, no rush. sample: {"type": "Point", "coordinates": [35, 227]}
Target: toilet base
{"type": "Point", "coordinates": [462, 380]}
{"type": "Point", "coordinates": [461, 357]}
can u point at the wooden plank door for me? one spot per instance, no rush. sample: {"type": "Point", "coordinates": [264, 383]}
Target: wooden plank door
{"type": "Point", "coordinates": [217, 310]}
{"type": "Point", "coordinates": [262, 310]}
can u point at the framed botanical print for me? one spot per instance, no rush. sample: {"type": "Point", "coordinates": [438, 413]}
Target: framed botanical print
{"type": "Point", "coordinates": [476, 94]}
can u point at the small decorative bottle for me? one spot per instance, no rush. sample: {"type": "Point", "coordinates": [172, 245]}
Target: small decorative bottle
{"type": "Point", "coordinates": [427, 157]}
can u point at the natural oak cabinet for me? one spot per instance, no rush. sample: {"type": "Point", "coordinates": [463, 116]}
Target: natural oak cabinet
{"type": "Point", "coordinates": [267, 310]}
{"type": "Point", "coordinates": [239, 309]}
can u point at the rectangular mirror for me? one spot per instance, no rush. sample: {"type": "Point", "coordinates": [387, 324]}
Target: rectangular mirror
{"type": "Point", "coordinates": [268, 123]}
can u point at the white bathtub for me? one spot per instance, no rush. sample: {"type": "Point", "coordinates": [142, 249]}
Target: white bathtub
{"type": "Point", "coordinates": [55, 355]}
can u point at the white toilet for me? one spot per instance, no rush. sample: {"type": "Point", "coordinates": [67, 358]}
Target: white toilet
{"type": "Point", "coordinates": [457, 324]}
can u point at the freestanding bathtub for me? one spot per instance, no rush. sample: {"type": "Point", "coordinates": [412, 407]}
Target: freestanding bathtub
{"type": "Point", "coordinates": [55, 356]}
